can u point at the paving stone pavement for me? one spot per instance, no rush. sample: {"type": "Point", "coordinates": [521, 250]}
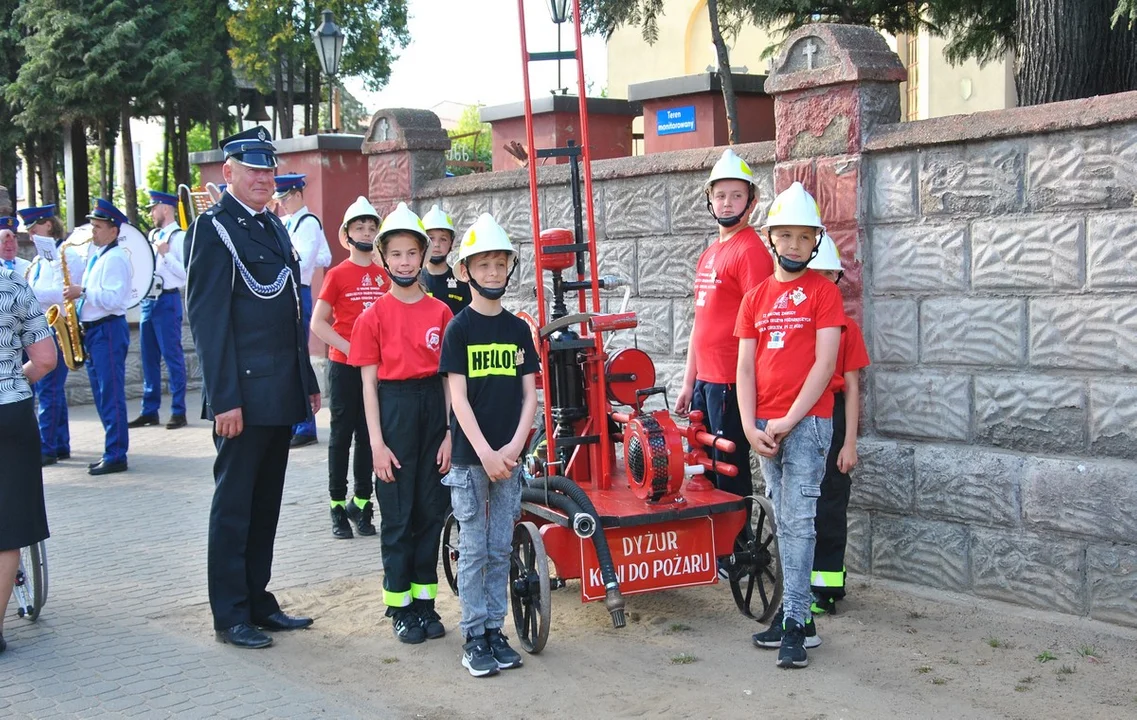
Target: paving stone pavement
{"type": "Point", "coordinates": [128, 550]}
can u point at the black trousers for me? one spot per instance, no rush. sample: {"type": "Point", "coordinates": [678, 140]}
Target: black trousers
{"type": "Point", "coordinates": [249, 474]}
{"type": "Point", "coordinates": [719, 404]}
{"type": "Point", "coordinates": [412, 509]}
{"type": "Point", "coordinates": [345, 391]}
{"type": "Point", "coordinates": [831, 522]}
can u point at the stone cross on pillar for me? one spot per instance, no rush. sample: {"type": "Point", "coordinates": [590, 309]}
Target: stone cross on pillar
{"type": "Point", "coordinates": [406, 148]}
{"type": "Point", "coordinates": [831, 85]}
{"type": "Point", "coordinates": [809, 51]}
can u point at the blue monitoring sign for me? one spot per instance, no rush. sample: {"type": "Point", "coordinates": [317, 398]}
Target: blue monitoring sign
{"type": "Point", "coordinates": [675, 120]}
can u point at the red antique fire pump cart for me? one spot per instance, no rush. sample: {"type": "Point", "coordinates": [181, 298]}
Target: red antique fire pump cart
{"type": "Point", "coordinates": [615, 494]}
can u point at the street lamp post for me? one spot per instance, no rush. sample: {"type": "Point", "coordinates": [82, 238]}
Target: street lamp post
{"type": "Point", "coordinates": [329, 46]}
{"type": "Point", "coordinates": [558, 10]}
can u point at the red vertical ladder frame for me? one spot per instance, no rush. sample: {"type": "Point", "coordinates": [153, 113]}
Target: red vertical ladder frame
{"type": "Point", "coordinates": [600, 463]}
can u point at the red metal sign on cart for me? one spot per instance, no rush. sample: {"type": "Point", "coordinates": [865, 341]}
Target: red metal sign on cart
{"type": "Point", "coordinates": [659, 556]}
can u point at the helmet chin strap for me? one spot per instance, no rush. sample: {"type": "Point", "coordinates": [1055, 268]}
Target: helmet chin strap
{"type": "Point", "coordinates": [400, 280]}
{"type": "Point", "coordinates": [795, 266]}
{"type": "Point", "coordinates": [365, 247]}
{"type": "Point", "coordinates": [731, 220]}
{"type": "Point", "coordinates": [437, 259]}
{"type": "Point", "coordinates": [491, 293]}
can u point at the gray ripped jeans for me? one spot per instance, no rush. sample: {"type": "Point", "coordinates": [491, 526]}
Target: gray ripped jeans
{"type": "Point", "coordinates": [486, 512]}
{"type": "Point", "coordinates": [793, 480]}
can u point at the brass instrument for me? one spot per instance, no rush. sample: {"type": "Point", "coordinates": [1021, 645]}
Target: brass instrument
{"type": "Point", "coordinates": [65, 321]}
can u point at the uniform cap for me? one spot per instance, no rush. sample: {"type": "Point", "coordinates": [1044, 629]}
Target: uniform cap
{"type": "Point", "coordinates": [158, 197]}
{"type": "Point", "coordinates": [287, 183]}
{"type": "Point", "coordinates": [8, 223]}
{"type": "Point", "coordinates": [32, 215]}
{"type": "Point", "coordinates": [105, 210]}
{"type": "Point", "coordinates": [252, 148]}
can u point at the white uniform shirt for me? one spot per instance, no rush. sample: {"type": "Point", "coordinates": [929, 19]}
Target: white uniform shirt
{"type": "Point", "coordinates": [46, 279]}
{"type": "Point", "coordinates": [171, 266]}
{"type": "Point", "coordinates": [107, 284]}
{"type": "Point", "coordinates": [308, 239]}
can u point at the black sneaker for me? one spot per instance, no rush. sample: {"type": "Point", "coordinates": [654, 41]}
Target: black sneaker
{"type": "Point", "coordinates": [144, 421]}
{"type": "Point", "coordinates": [823, 604]}
{"type": "Point", "coordinates": [772, 637]}
{"type": "Point", "coordinates": [430, 619]}
{"type": "Point", "coordinates": [408, 626]}
{"type": "Point", "coordinates": [341, 528]}
{"type": "Point", "coordinates": [505, 656]}
{"type": "Point", "coordinates": [361, 517]}
{"type": "Point", "coordinates": [477, 657]}
{"type": "Point", "coordinates": [792, 653]}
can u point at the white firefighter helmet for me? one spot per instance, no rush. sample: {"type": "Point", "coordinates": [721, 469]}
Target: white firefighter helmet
{"type": "Point", "coordinates": [403, 219]}
{"type": "Point", "coordinates": [361, 208]}
{"type": "Point", "coordinates": [485, 235]}
{"type": "Point", "coordinates": [435, 219]}
{"type": "Point", "coordinates": [730, 167]}
{"type": "Point", "coordinates": [828, 257]}
{"type": "Point", "coordinates": [794, 206]}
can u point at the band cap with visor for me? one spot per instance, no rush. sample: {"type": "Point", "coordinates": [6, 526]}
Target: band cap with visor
{"type": "Point", "coordinates": [252, 148]}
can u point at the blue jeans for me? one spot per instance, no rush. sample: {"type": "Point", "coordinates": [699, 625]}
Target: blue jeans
{"type": "Point", "coordinates": [161, 340]}
{"type": "Point", "coordinates": [55, 437]}
{"type": "Point", "coordinates": [793, 480]}
{"type": "Point", "coordinates": [487, 512]}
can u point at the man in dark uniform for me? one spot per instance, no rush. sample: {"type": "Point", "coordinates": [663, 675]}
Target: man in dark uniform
{"type": "Point", "coordinates": [244, 310]}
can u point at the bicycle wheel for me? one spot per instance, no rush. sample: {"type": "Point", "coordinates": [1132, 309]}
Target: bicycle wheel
{"type": "Point", "coordinates": [31, 580]}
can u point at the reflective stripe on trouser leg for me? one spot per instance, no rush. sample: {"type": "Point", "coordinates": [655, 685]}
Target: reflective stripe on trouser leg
{"type": "Point", "coordinates": [831, 522]}
{"type": "Point", "coordinates": [424, 592]}
{"type": "Point", "coordinates": [827, 579]}
{"type": "Point", "coordinates": [396, 599]}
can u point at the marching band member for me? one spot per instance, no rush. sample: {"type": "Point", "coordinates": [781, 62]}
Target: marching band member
{"type": "Point", "coordinates": [307, 234]}
{"type": "Point", "coordinates": [103, 297]}
{"type": "Point", "coordinates": [258, 382]}
{"type": "Point", "coordinates": [47, 282]}
{"type": "Point", "coordinates": [161, 327]}
{"type": "Point", "coordinates": [8, 247]}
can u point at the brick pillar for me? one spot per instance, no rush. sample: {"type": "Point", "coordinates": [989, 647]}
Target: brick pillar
{"type": "Point", "coordinates": [831, 85]}
{"type": "Point", "coordinates": [405, 149]}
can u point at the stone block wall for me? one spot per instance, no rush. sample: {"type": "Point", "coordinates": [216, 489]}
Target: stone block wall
{"type": "Point", "coordinates": [651, 226]}
{"type": "Point", "coordinates": [1001, 270]}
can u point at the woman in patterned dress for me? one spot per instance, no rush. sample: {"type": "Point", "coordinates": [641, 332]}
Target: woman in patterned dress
{"type": "Point", "coordinates": [23, 518]}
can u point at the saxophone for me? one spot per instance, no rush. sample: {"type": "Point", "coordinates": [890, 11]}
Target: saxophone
{"type": "Point", "coordinates": [65, 321]}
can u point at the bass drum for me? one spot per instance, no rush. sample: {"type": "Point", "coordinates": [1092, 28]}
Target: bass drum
{"type": "Point", "coordinates": [142, 264]}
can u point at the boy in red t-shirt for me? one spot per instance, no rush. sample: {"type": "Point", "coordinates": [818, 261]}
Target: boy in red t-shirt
{"type": "Point", "coordinates": [349, 288]}
{"type": "Point", "coordinates": [789, 331]}
{"type": "Point", "coordinates": [397, 343]}
{"type": "Point", "coordinates": [828, 577]}
{"type": "Point", "coordinates": [734, 263]}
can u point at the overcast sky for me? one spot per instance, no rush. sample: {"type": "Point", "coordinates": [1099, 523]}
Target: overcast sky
{"type": "Point", "coordinates": [469, 51]}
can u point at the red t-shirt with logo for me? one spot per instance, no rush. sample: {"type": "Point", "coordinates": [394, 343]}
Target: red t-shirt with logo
{"type": "Point", "coordinates": [851, 356]}
{"type": "Point", "coordinates": [725, 273]}
{"type": "Point", "coordinates": [350, 289]}
{"type": "Point", "coordinates": [784, 317]}
{"type": "Point", "coordinates": [403, 339]}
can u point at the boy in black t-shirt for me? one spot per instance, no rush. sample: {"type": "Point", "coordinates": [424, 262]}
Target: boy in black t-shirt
{"type": "Point", "coordinates": [438, 276]}
{"type": "Point", "coordinates": [490, 361]}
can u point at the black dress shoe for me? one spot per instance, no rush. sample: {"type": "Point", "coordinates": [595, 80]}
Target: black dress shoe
{"type": "Point", "coordinates": [302, 440]}
{"type": "Point", "coordinates": [244, 635]}
{"type": "Point", "coordinates": [144, 421]}
{"type": "Point", "coordinates": [279, 621]}
{"type": "Point", "coordinates": [45, 460]}
{"type": "Point", "coordinates": [176, 421]}
{"type": "Point", "coordinates": [106, 468]}
{"type": "Point", "coordinates": [65, 455]}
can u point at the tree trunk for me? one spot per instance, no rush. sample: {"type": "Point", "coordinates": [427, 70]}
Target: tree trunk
{"type": "Point", "coordinates": [102, 158]}
{"type": "Point", "coordinates": [728, 97]}
{"type": "Point", "coordinates": [81, 195]}
{"type": "Point", "coordinates": [30, 163]}
{"type": "Point", "coordinates": [278, 102]}
{"type": "Point", "coordinates": [111, 178]}
{"type": "Point", "coordinates": [48, 189]}
{"type": "Point", "coordinates": [181, 167]}
{"type": "Point", "coordinates": [1065, 50]}
{"type": "Point", "coordinates": [129, 181]}
{"type": "Point", "coordinates": [166, 131]}
{"type": "Point", "coordinates": [317, 88]}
